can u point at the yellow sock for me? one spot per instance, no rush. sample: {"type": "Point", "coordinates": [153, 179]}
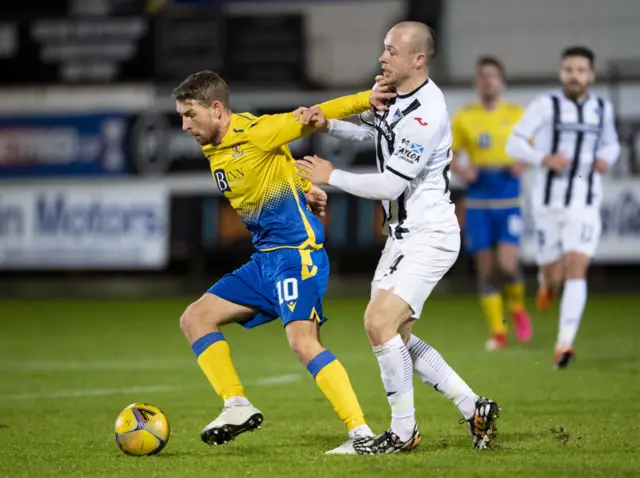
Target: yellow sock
{"type": "Point", "coordinates": [493, 311]}
{"type": "Point", "coordinates": [214, 358]}
{"type": "Point", "coordinates": [333, 380]}
{"type": "Point", "coordinates": [515, 296]}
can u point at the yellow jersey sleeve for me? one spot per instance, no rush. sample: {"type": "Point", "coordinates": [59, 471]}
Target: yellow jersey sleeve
{"type": "Point", "coordinates": [346, 106]}
{"type": "Point", "coordinates": [306, 185]}
{"type": "Point", "coordinates": [269, 132]}
{"type": "Point", "coordinates": [460, 140]}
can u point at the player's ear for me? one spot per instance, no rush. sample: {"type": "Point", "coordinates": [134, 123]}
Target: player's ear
{"type": "Point", "coordinates": [217, 109]}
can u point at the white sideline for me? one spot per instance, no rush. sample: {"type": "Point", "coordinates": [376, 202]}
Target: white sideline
{"type": "Point", "coordinates": [54, 365]}
{"type": "Point", "coordinates": [102, 392]}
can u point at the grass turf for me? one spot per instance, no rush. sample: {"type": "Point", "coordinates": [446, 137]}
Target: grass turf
{"type": "Point", "coordinates": [67, 368]}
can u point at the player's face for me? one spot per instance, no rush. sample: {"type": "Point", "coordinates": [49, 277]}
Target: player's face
{"type": "Point", "coordinates": [489, 82]}
{"type": "Point", "coordinates": [398, 60]}
{"type": "Point", "coordinates": [576, 75]}
{"type": "Point", "coordinates": [200, 122]}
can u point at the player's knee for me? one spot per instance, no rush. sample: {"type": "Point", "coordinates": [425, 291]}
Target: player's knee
{"type": "Point", "coordinates": [486, 277]}
{"type": "Point", "coordinates": [554, 275]}
{"type": "Point", "coordinates": [511, 270]}
{"type": "Point", "coordinates": [188, 319]}
{"type": "Point", "coordinates": [378, 326]}
{"type": "Point", "coordinates": [303, 340]}
{"type": "Point", "coordinates": [576, 265]}
{"type": "Point", "coordinates": [195, 317]}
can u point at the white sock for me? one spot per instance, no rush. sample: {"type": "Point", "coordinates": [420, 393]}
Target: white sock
{"type": "Point", "coordinates": [237, 402]}
{"type": "Point", "coordinates": [360, 431]}
{"type": "Point", "coordinates": [434, 371]}
{"type": "Point", "coordinates": [397, 377]}
{"type": "Point", "coordinates": [574, 298]}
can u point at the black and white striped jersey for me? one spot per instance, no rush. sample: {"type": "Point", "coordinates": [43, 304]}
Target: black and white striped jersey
{"type": "Point", "coordinates": [582, 132]}
{"type": "Point", "coordinates": [413, 141]}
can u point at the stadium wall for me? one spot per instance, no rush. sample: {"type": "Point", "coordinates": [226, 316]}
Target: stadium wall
{"type": "Point", "coordinates": [117, 178]}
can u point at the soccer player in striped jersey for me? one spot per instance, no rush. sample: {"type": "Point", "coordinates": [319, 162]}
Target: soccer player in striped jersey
{"type": "Point", "coordinates": [493, 220]}
{"type": "Point", "coordinates": [574, 143]}
{"type": "Point", "coordinates": [413, 155]}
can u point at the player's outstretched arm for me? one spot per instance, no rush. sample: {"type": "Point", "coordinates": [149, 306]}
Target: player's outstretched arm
{"type": "Point", "coordinates": [518, 145]}
{"type": "Point", "coordinates": [272, 131]}
{"type": "Point", "coordinates": [369, 186]}
{"type": "Point", "coordinates": [413, 147]}
{"type": "Point", "coordinates": [357, 127]}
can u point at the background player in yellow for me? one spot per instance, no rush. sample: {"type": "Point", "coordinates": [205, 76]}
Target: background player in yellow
{"type": "Point", "coordinates": [287, 277]}
{"type": "Point", "coordinates": [493, 220]}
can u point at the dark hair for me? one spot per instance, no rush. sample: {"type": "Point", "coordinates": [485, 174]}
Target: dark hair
{"type": "Point", "coordinates": [488, 60]}
{"type": "Point", "coordinates": [582, 51]}
{"type": "Point", "coordinates": [432, 44]}
{"type": "Point", "coordinates": [204, 87]}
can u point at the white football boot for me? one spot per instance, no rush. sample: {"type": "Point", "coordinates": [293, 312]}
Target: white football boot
{"type": "Point", "coordinates": [358, 433]}
{"type": "Point", "coordinates": [233, 421]}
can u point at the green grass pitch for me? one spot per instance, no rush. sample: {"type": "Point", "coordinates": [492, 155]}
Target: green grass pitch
{"type": "Point", "coordinates": [67, 368]}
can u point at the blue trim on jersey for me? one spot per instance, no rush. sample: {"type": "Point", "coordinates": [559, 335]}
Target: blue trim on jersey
{"type": "Point", "coordinates": [319, 362]}
{"type": "Point", "coordinates": [494, 184]}
{"type": "Point", "coordinates": [245, 117]}
{"type": "Point", "coordinates": [206, 341]}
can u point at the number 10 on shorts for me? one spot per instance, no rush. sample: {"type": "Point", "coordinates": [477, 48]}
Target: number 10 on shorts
{"type": "Point", "coordinates": [287, 290]}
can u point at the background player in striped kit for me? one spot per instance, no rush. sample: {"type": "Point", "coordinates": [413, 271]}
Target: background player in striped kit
{"type": "Point", "coordinates": [574, 143]}
{"type": "Point", "coordinates": [493, 220]}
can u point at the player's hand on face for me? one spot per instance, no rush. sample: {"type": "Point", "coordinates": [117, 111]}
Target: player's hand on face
{"type": "Point", "coordinates": [556, 162]}
{"type": "Point", "coordinates": [382, 92]}
{"type": "Point", "coordinates": [601, 166]}
{"type": "Point", "coordinates": [315, 169]}
{"type": "Point", "coordinates": [317, 200]}
{"type": "Point", "coordinates": [517, 169]}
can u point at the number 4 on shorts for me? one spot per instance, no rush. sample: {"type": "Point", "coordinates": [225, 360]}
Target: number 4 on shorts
{"type": "Point", "coordinates": [394, 266]}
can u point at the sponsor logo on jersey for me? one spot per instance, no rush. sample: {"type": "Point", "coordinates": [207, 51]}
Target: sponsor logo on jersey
{"type": "Point", "coordinates": [409, 151]}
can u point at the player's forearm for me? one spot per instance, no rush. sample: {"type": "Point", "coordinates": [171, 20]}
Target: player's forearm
{"type": "Point", "coordinates": [383, 186]}
{"type": "Point", "coordinates": [520, 149]}
{"type": "Point", "coordinates": [456, 167]}
{"type": "Point", "coordinates": [346, 106]}
{"type": "Point", "coordinates": [347, 130]}
{"type": "Point", "coordinates": [609, 154]}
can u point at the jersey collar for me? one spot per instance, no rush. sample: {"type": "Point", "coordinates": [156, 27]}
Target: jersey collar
{"type": "Point", "coordinates": [407, 95]}
{"type": "Point", "coordinates": [232, 123]}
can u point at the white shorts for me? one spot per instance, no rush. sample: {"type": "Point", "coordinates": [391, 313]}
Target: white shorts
{"type": "Point", "coordinates": [561, 231]}
{"type": "Point", "coordinates": [414, 265]}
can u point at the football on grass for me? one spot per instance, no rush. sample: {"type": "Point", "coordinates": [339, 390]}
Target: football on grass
{"type": "Point", "coordinates": [142, 429]}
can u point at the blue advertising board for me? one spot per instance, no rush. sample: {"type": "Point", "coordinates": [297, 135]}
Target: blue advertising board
{"type": "Point", "coordinates": [91, 144]}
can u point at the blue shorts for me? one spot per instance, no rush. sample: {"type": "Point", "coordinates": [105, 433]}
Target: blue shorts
{"type": "Point", "coordinates": [486, 228]}
{"type": "Point", "coordinates": [286, 283]}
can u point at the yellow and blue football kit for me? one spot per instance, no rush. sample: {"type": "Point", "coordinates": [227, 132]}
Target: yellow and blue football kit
{"type": "Point", "coordinates": [253, 167]}
{"type": "Point", "coordinates": [492, 202]}
{"type": "Point", "coordinates": [287, 276]}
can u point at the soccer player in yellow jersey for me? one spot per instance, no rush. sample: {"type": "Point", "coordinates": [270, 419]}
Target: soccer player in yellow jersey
{"type": "Point", "coordinates": [493, 222]}
{"type": "Point", "coordinates": [287, 277]}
